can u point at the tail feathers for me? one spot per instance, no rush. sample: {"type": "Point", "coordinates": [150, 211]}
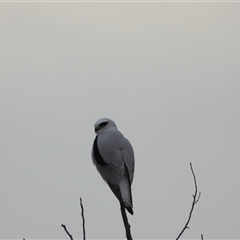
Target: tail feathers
{"type": "Point", "coordinates": [123, 193]}
{"type": "Point", "coordinates": [126, 194]}
{"type": "Point", "coordinates": [129, 209]}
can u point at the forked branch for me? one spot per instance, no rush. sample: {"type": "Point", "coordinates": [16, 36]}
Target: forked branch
{"type": "Point", "coordinates": [83, 223]}
{"type": "Point", "coordinates": [196, 197]}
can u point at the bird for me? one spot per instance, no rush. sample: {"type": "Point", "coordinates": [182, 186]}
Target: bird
{"type": "Point", "coordinates": [113, 156]}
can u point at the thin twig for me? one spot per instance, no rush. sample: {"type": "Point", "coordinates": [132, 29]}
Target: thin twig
{"type": "Point", "coordinates": [83, 219]}
{"type": "Point", "coordinates": [65, 228]}
{"type": "Point", "coordinates": [196, 198]}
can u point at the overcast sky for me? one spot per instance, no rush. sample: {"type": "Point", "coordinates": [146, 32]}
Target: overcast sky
{"type": "Point", "coordinates": [168, 74]}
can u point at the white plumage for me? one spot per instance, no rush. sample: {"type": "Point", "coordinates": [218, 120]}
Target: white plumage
{"type": "Point", "coordinates": [113, 156]}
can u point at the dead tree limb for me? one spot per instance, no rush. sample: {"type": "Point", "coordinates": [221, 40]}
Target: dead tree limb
{"type": "Point", "coordinates": [125, 221]}
{"type": "Point", "coordinates": [196, 197]}
{"type": "Point", "coordinates": [83, 219]}
{"type": "Point", "coordinates": [65, 228]}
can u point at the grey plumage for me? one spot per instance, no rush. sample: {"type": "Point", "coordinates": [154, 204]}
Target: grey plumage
{"type": "Point", "coordinates": [113, 156]}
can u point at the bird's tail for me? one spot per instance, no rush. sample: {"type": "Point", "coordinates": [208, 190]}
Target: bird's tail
{"type": "Point", "coordinates": [123, 193]}
{"type": "Point", "coordinates": [126, 193]}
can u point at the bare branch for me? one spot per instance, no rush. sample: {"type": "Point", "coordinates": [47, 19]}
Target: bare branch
{"type": "Point", "coordinates": [65, 228]}
{"type": "Point", "coordinates": [125, 221]}
{"type": "Point", "coordinates": [83, 220]}
{"type": "Point", "coordinates": [196, 198]}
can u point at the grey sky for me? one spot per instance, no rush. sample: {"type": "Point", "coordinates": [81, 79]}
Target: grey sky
{"type": "Point", "coordinates": [166, 73]}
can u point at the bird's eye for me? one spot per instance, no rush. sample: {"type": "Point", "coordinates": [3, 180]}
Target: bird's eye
{"type": "Point", "coordinates": [103, 124]}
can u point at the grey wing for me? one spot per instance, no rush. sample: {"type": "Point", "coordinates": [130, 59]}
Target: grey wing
{"type": "Point", "coordinates": [128, 156]}
{"type": "Point", "coordinates": [108, 159]}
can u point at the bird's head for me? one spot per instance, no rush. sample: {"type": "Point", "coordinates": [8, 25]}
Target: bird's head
{"type": "Point", "coordinates": [104, 124]}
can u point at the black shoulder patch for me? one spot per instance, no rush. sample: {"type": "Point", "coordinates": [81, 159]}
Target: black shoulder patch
{"type": "Point", "coordinates": [97, 154]}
